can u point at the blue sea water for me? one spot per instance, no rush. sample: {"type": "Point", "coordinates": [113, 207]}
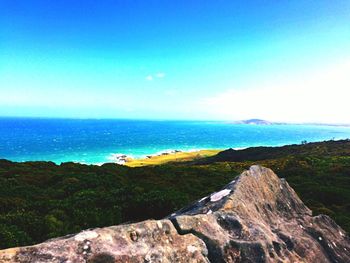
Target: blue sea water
{"type": "Point", "coordinates": [95, 141]}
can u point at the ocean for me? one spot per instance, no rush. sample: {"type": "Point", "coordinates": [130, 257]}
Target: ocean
{"type": "Point", "coordinates": [96, 141]}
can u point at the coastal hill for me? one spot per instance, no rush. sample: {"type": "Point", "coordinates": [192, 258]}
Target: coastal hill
{"type": "Point", "coordinates": [255, 218]}
{"type": "Point", "coordinates": [319, 149]}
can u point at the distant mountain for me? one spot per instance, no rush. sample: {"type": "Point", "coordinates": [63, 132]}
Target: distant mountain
{"type": "Point", "coordinates": [254, 122]}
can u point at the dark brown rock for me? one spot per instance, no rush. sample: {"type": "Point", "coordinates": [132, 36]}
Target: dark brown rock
{"type": "Point", "coordinates": [256, 218]}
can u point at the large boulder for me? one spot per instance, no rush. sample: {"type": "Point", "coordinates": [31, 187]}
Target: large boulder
{"type": "Point", "coordinates": [255, 218]}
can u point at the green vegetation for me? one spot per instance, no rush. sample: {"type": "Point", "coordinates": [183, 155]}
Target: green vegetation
{"type": "Point", "coordinates": [41, 200]}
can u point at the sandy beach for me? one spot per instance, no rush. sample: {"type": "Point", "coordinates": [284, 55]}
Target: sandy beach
{"type": "Point", "coordinates": [168, 156]}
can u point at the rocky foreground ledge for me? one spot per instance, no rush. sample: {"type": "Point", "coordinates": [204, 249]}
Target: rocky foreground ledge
{"type": "Point", "coordinates": [255, 218]}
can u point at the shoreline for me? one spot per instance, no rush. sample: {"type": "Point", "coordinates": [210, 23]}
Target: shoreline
{"type": "Point", "coordinates": [145, 159]}
{"type": "Point", "coordinates": [165, 156]}
{"type": "Point", "coordinates": [121, 158]}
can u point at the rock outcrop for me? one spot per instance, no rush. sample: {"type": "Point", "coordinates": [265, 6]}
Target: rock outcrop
{"type": "Point", "coordinates": [255, 218]}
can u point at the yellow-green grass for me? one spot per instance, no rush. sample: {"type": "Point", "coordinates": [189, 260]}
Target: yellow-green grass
{"type": "Point", "coordinates": [171, 157]}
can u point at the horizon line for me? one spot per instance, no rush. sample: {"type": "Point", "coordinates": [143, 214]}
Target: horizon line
{"type": "Point", "coordinates": [170, 119]}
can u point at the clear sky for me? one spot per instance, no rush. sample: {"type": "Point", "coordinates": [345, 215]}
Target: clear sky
{"type": "Point", "coordinates": [286, 60]}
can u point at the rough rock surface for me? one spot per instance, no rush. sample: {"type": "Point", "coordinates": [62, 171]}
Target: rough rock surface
{"type": "Point", "coordinates": [256, 218]}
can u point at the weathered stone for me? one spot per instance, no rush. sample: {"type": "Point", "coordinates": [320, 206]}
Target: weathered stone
{"type": "Point", "coordinates": [141, 242]}
{"type": "Point", "coordinates": [256, 218]}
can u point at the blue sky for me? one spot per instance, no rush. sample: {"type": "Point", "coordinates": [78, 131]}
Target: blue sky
{"type": "Point", "coordinates": [222, 60]}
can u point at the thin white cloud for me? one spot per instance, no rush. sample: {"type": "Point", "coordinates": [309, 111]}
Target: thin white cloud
{"type": "Point", "coordinates": [317, 96]}
{"type": "Point", "coordinates": [160, 75]}
{"type": "Point", "coordinates": [149, 77]}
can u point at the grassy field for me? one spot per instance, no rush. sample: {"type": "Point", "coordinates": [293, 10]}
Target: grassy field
{"type": "Point", "coordinates": [171, 157]}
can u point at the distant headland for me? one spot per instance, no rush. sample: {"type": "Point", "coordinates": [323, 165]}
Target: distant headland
{"type": "Point", "coordinates": [255, 122]}
{"type": "Point", "coordinates": [266, 122]}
